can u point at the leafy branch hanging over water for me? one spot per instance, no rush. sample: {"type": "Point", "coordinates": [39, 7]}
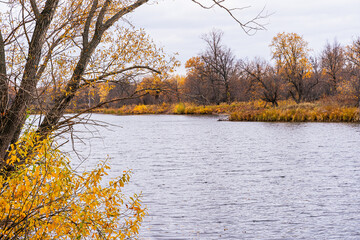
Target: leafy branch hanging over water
{"type": "Point", "coordinates": [45, 198]}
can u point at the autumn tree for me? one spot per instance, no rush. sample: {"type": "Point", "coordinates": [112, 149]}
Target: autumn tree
{"type": "Point", "coordinates": [319, 84]}
{"type": "Point", "coordinates": [158, 89]}
{"type": "Point", "coordinates": [44, 198]}
{"type": "Point", "coordinates": [196, 85]}
{"type": "Point", "coordinates": [51, 28]}
{"type": "Point", "coordinates": [291, 54]}
{"type": "Point", "coordinates": [177, 83]}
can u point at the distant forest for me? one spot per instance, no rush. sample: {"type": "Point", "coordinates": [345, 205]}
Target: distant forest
{"type": "Point", "coordinates": [216, 76]}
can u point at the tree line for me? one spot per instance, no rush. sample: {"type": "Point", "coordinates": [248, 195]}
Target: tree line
{"type": "Point", "coordinates": [216, 76]}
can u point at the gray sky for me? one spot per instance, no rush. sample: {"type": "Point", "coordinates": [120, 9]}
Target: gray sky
{"type": "Point", "coordinates": [177, 25]}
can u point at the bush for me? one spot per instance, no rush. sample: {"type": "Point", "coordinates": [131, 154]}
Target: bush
{"type": "Point", "coordinates": [44, 198]}
{"type": "Point", "coordinates": [180, 108]}
{"type": "Point", "coordinates": [140, 109]}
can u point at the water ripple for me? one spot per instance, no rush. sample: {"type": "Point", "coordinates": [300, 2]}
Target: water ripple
{"type": "Point", "coordinates": [205, 179]}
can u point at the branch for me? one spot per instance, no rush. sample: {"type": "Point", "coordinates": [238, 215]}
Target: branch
{"type": "Point", "coordinates": [121, 71]}
{"type": "Point", "coordinates": [24, 25]}
{"type": "Point", "coordinates": [132, 96]}
{"type": "Point", "coordinates": [11, 35]}
{"type": "Point", "coordinates": [122, 12]}
{"type": "Point", "coordinates": [99, 21]}
{"type": "Point", "coordinates": [48, 56]}
{"type": "Point", "coordinates": [248, 27]}
{"type": "Point", "coordinates": [88, 23]}
{"type": "Point", "coordinates": [35, 9]}
{"type": "Point", "coordinates": [52, 117]}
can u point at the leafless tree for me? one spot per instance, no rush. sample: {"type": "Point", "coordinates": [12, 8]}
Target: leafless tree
{"type": "Point", "coordinates": [266, 81]}
{"type": "Point", "coordinates": [353, 53]}
{"type": "Point", "coordinates": [353, 67]}
{"type": "Point", "coordinates": [333, 64]}
{"type": "Point", "coordinates": [315, 86]}
{"type": "Point", "coordinates": [220, 63]}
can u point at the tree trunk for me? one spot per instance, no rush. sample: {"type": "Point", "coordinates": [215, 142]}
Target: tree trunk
{"type": "Point", "coordinates": [14, 118]}
{"type": "Point", "coordinates": [227, 92]}
{"type": "Point", "coordinates": [4, 87]}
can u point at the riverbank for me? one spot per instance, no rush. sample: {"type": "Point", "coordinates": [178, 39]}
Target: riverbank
{"type": "Point", "coordinates": [287, 111]}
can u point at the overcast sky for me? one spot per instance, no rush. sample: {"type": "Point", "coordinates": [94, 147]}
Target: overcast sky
{"type": "Point", "coordinates": [177, 25]}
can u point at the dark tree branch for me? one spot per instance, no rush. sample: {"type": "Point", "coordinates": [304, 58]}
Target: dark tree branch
{"type": "Point", "coordinates": [3, 78]}
{"type": "Point", "coordinates": [35, 9]}
{"type": "Point", "coordinates": [123, 12]}
{"type": "Point", "coordinates": [249, 27]}
{"type": "Point", "coordinates": [100, 18]}
{"type": "Point", "coordinates": [88, 23]}
{"type": "Point", "coordinates": [120, 72]}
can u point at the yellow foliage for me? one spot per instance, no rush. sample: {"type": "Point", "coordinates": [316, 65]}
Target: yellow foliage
{"type": "Point", "coordinates": [140, 109]}
{"type": "Point", "coordinates": [44, 198]}
{"type": "Point", "coordinates": [104, 89]}
{"type": "Point", "coordinates": [180, 80]}
{"type": "Point", "coordinates": [179, 108]}
{"type": "Point", "coordinates": [152, 85]}
{"type": "Point", "coordinates": [193, 64]}
{"type": "Point", "coordinates": [290, 52]}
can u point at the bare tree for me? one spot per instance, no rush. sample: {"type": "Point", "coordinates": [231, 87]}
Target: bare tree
{"type": "Point", "coordinates": [333, 64]}
{"type": "Point", "coordinates": [353, 68]}
{"type": "Point", "coordinates": [220, 63]}
{"type": "Point", "coordinates": [353, 53]}
{"type": "Point", "coordinates": [266, 82]}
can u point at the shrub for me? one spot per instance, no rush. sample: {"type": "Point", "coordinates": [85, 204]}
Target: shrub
{"type": "Point", "coordinates": [140, 109]}
{"type": "Point", "coordinates": [180, 108]}
{"type": "Point", "coordinates": [44, 198]}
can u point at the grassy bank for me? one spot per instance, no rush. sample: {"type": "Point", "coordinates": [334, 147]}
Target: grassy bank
{"type": "Point", "coordinates": [301, 113]}
{"type": "Point", "coordinates": [287, 111]}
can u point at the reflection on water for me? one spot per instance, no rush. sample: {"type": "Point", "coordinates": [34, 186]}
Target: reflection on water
{"type": "Point", "coordinates": [205, 179]}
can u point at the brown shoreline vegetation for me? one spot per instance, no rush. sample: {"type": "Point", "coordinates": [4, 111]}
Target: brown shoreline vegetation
{"type": "Point", "coordinates": [287, 111]}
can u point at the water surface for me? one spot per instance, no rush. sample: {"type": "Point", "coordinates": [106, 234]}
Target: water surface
{"type": "Point", "coordinates": [205, 179]}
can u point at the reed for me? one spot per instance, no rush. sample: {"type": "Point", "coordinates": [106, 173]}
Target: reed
{"type": "Point", "coordinates": [287, 111]}
{"type": "Point", "coordinates": [299, 114]}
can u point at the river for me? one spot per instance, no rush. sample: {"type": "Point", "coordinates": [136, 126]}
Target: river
{"type": "Point", "coordinates": [206, 179]}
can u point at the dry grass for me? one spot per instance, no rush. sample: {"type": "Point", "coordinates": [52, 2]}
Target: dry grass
{"type": "Point", "coordinates": [304, 112]}
{"type": "Point", "coordinates": [287, 111]}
